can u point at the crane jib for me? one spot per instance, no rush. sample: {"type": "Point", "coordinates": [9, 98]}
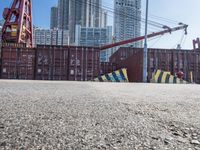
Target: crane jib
{"type": "Point", "coordinates": [169, 30]}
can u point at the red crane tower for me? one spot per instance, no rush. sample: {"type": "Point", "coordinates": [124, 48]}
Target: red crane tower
{"type": "Point", "coordinates": [18, 23]}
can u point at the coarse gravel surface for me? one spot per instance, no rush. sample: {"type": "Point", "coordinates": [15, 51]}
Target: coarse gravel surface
{"type": "Point", "coordinates": [44, 115]}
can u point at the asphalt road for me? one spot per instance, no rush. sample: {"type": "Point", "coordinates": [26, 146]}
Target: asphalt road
{"type": "Point", "coordinates": [47, 115]}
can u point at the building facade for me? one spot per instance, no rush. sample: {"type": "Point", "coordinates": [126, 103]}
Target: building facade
{"type": "Point", "coordinates": [1, 26]}
{"type": "Point", "coordinates": [127, 20]}
{"type": "Point", "coordinates": [63, 14]}
{"type": "Point", "coordinates": [0, 35]}
{"type": "Point", "coordinates": [93, 36]}
{"type": "Point", "coordinates": [87, 13]}
{"type": "Point", "coordinates": [54, 18]}
{"type": "Point", "coordinates": [1, 22]}
{"type": "Point", "coordinates": [93, 13]}
{"type": "Point", "coordinates": [103, 18]}
{"type": "Point", "coordinates": [50, 37]}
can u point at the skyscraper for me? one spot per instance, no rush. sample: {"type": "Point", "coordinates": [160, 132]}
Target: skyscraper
{"type": "Point", "coordinates": [54, 17]}
{"type": "Point", "coordinates": [103, 18]}
{"type": "Point", "coordinates": [0, 34]}
{"type": "Point", "coordinates": [75, 16]}
{"type": "Point", "coordinates": [127, 20]}
{"type": "Point", "coordinates": [93, 13]}
{"type": "Point", "coordinates": [93, 36]}
{"type": "Point", "coordinates": [1, 26]}
{"type": "Point", "coordinates": [85, 13]}
{"type": "Point", "coordinates": [63, 14]}
{"type": "Point", "coordinates": [1, 22]}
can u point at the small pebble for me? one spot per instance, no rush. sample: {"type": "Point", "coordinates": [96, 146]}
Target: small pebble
{"type": "Point", "coordinates": [196, 142]}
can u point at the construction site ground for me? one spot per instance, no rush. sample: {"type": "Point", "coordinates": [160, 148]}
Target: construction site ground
{"type": "Point", "coordinates": [50, 115]}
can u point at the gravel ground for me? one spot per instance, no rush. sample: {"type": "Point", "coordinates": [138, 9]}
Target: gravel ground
{"type": "Point", "coordinates": [98, 116]}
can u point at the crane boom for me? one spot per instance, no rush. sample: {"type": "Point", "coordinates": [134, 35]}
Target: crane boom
{"type": "Point", "coordinates": [168, 30]}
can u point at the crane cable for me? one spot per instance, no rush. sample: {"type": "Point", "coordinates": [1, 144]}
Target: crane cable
{"type": "Point", "coordinates": [111, 10]}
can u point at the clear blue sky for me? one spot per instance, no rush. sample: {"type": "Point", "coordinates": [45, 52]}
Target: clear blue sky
{"type": "Point", "coordinates": [185, 11]}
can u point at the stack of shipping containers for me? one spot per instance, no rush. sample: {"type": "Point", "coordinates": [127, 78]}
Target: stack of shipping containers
{"type": "Point", "coordinates": [78, 63]}
{"type": "Point", "coordinates": [171, 60]}
{"type": "Point", "coordinates": [51, 63]}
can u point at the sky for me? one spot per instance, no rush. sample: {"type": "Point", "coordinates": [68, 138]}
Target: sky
{"type": "Point", "coordinates": [177, 10]}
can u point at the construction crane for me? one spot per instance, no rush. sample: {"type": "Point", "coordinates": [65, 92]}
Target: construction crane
{"type": "Point", "coordinates": [166, 30]}
{"type": "Point", "coordinates": [17, 27]}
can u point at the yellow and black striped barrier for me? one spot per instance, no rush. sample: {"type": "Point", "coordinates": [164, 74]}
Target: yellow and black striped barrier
{"type": "Point", "coordinates": [166, 77]}
{"type": "Point", "coordinates": [116, 76]}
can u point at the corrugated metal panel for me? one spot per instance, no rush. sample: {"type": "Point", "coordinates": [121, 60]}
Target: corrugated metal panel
{"type": "Point", "coordinates": [122, 53]}
{"type": "Point", "coordinates": [193, 65]}
{"type": "Point", "coordinates": [134, 65]}
{"type": "Point", "coordinates": [159, 59]}
{"type": "Point", "coordinates": [171, 60]}
{"type": "Point", "coordinates": [84, 63]}
{"type": "Point", "coordinates": [107, 67]}
{"type": "Point", "coordinates": [18, 63]}
{"type": "Point", "coordinates": [52, 63]}
{"type": "Point", "coordinates": [67, 63]}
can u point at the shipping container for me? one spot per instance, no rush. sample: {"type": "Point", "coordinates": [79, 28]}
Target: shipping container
{"type": "Point", "coordinates": [171, 60]}
{"type": "Point", "coordinates": [51, 63]}
{"type": "Point", "coordinates": [18, 63]}
{"type": "Point", "coordinates": [159, 59]}
{"type": "Point", "coordinates": [133, 64]}
{"type": "Point", "coordinates": [193, 65]}
{"type": "Point", "coordinates": [84, 63]}
{"type": "Point", "coordinates": [67, 63]}
{"type": "Point", "coordinates": [122, 53]}
{"type": "Point", "coordinates": [107, 67]}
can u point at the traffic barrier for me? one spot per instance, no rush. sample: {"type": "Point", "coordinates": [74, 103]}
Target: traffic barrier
{"type": "Point", "coordinates": [116, 76]}
{"type": "Point", "coordinates": [166, 77]}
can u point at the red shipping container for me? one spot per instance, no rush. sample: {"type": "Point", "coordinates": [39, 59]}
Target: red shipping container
{"type": "Point", "coordinates": [84, 63]}
{"type": "Point", "coordinates": [122, 53]}
{"type": "Point", "coordinates": [171, 60]}
{"type": "Point", "coordinates": [133, 64]}
{"type": "Point", "coordinates": [107, 67]}
{"type": "Point", "coordinates": [18, 63]}
{"type": "Point", "coordinates": [193, 61]}
{"type": "Point", "coordinates": [159, 59]}
{"type": "Point", "coordinates": [52, 63]}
